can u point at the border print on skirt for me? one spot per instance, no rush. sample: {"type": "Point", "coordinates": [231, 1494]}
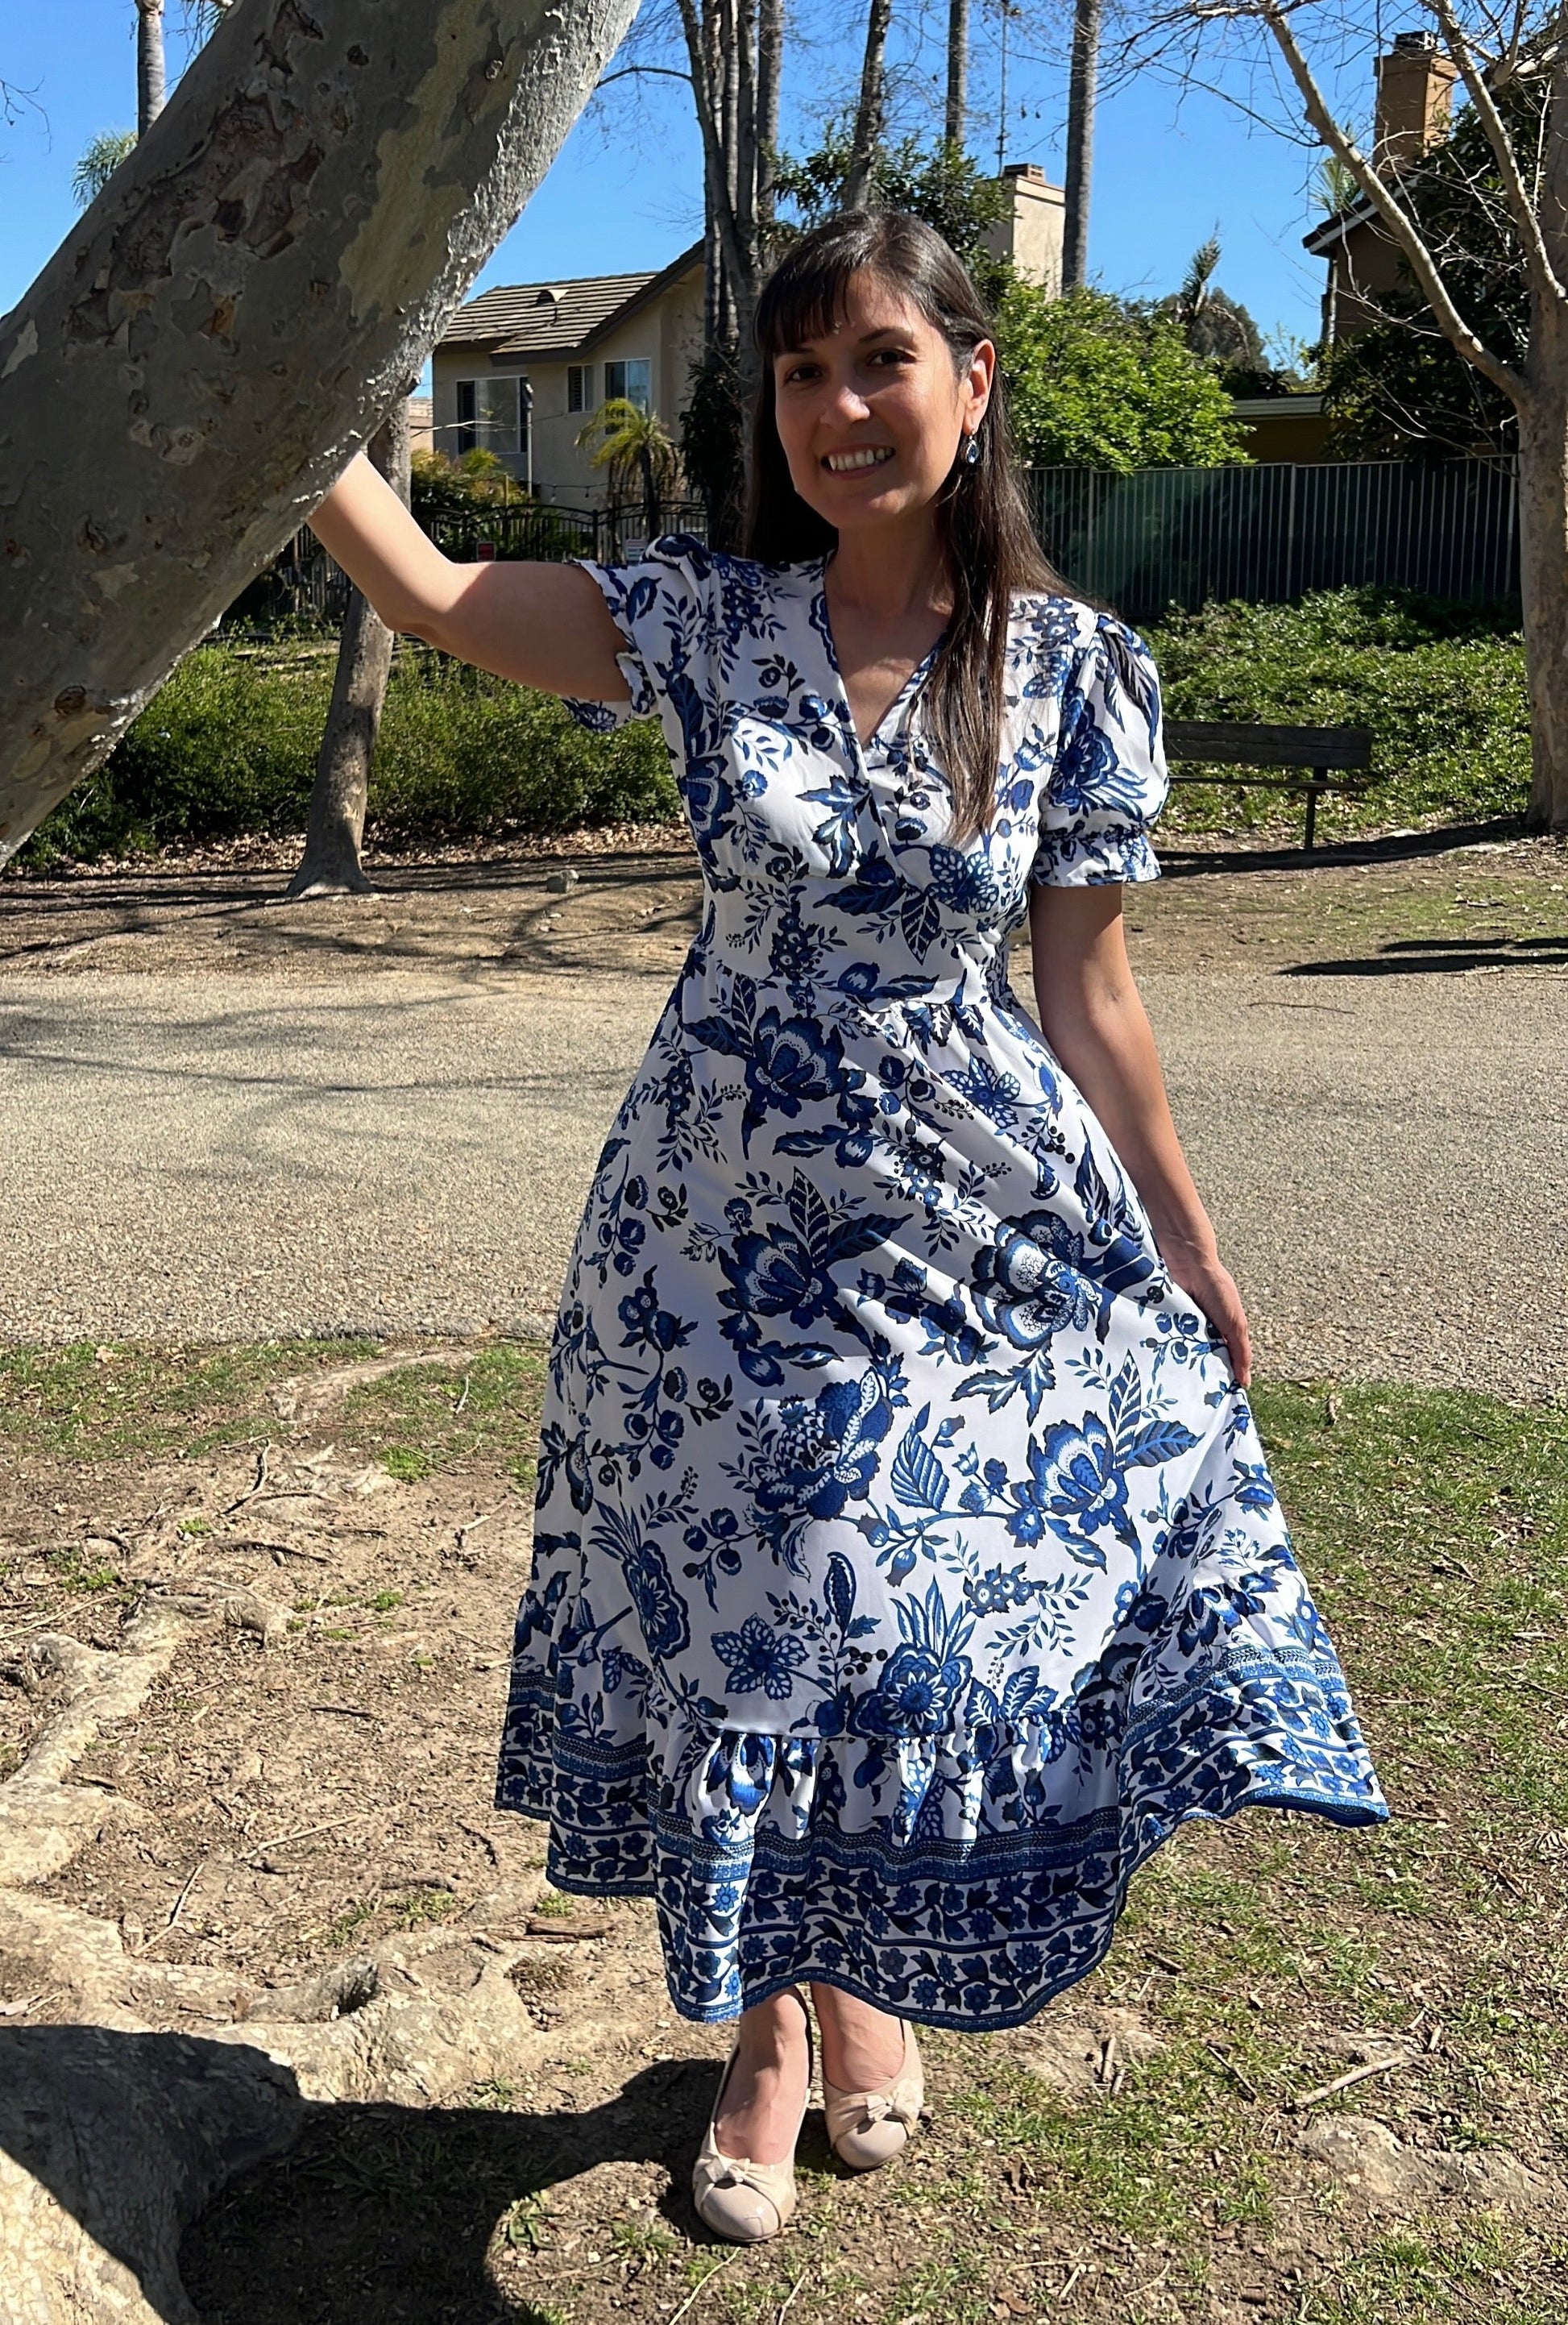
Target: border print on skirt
{"type": "Point", "coordinates": [744, 1839]}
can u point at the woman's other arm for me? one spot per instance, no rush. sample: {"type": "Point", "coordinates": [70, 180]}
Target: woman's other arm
{"type": "Point", "coordinates": [544, 625]}
{"type": "Point", "coordinates": [1092, 1016]}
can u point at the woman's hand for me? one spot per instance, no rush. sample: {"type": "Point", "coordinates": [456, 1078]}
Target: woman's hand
{"type": "Point", "coordinates": [1214, 1289]}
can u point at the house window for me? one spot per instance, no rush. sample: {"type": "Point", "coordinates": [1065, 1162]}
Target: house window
{"type": "Point", "coordinates": [633, 379]}
{"type": "Point", "coordinates": [488, 419]}
{"type": "Point", "coordinates": [579, 388]}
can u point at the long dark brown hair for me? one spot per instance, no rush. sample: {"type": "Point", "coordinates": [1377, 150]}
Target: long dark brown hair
{"type": "Point", "coordinates": [987, 542]}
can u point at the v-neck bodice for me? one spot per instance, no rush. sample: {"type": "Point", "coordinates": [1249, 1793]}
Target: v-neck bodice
{"type": "Point", "coordinates": [828, 864]}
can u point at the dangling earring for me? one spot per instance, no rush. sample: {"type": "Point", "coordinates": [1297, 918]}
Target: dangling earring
{"type": "Point", "coordinates": [972, 451]}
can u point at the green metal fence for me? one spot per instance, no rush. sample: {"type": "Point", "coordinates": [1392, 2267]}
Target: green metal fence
{"type": "Point", "coordinates": [1164, 537]}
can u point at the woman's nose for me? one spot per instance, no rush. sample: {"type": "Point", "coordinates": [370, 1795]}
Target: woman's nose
{"type": "Point", "coordinates": [845, 401]}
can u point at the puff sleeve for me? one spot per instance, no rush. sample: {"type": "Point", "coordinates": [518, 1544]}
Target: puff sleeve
{"type": "Point", "coordinates": [1108, 780]}
{"type": "Point", "coordinates": [660, 604]}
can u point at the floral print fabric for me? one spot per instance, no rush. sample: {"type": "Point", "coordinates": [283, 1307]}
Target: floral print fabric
{"type": "Point", "coordinates": [906, 1566]}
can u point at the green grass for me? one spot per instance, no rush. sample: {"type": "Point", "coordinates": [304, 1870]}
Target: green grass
{"type": "Point", "coordinates": [422, 1418]}
{"type": "Point", "coordinates": [1441, 686]}
{"type": "Point", "coordinates": [116, 1404]}
{"type": "Point", "coordinates": [89, 1401]}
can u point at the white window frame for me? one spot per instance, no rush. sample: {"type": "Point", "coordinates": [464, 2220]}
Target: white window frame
{"type": "Point", "coordinates": [580, 376]}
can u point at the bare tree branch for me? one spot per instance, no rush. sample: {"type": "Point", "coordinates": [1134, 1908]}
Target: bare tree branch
{"type": "Point", "coordinates": [1390, 208]}
{"type": "Point", "coordinates": [1526, 225]}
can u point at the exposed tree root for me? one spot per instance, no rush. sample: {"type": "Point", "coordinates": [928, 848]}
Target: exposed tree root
{"type": "Point", "coordinates": [117, 2129]}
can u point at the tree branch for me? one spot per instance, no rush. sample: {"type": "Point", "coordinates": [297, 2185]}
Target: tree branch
{"type": "Point", "coordinates": [1384, 199]}
{"type": "Point", "coordinates": [1526, 225]}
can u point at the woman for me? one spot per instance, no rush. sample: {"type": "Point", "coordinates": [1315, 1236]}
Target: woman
{"type": "Point", "coordinates": [906, 1566]}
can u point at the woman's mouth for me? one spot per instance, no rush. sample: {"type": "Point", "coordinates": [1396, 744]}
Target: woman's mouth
{"type": "Point", "coordinates": [860, 456]}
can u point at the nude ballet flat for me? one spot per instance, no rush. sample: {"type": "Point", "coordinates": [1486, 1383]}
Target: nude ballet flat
{"type": "Point", "coordinates": [868, 2129]}
{"type": "Point", "coordinates": [744, 2203]}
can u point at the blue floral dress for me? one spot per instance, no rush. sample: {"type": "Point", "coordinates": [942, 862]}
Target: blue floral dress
{"type": "Point", "coordinates": [906, 1566]}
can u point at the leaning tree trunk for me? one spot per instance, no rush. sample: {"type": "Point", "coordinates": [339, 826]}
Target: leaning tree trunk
{"type": "Point", "coordinates": [1081, 86]}
{"type": "Point", "coordinates": [331, 864]}
{"type": "Point", "coordinates": [1543, 576]}
{"type": "Point", "coordinates": [230, 321]}
{"type": "Point", "coordinates": [151, 75]}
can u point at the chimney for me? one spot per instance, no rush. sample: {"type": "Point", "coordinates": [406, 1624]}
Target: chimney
{"type": "Point", "coordinates": [1414, 90]}
{"type": "Point", "coordinates": [1030, 232]}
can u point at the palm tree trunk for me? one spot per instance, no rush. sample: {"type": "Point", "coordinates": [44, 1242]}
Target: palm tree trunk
{"type": "Point", "coordinates": [867, 139]}
{"type": "Point", "coordinates": [1081, 94]}
{"type": "Point", "coordinates": [331, 865]}
{"type": "Point", "coordinates": [957, 71]}
{"type": "Point", "coordinates": [150, 74]}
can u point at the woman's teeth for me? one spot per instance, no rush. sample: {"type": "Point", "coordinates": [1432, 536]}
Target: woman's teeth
{"type": "Point", "coordinates": [871, 456]}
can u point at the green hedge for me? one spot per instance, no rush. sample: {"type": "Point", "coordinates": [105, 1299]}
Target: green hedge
{"type": "Point", "coordinates": [1441, 686]}
{"type": "Point", "coordinates": [227, 748]}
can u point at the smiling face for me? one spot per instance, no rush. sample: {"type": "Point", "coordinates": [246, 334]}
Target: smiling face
{"type": "Point", "coordinates": [872, 414]}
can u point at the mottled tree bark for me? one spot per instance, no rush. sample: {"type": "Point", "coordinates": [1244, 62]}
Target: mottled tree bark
{"type": "Point", "coordinates": [331, 864]}
{"type": "Point", "coordinates": [230, 321]}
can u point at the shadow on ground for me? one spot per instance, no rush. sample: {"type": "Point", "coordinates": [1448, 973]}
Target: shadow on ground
{"type": "Point", "coordinates": [1421, 956]}
{"type": "Point", "coordinates": [340, 2212]}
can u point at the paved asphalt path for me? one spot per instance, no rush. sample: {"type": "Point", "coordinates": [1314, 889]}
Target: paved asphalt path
{"type": "Point", "coordinates": [242, 1156]}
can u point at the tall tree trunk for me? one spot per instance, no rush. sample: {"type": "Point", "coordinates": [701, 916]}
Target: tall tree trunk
{"type": "Point", "coordinates": [230, 319]}
{"type": "Point", "coordinates": [151, 76]}
{"type": "Point", "coordinates": [331, 864]}
{"type": "Point", "coordinates": [769, 68]}
{"type": "Point", "coordinates": [1081, 94]}
{"type": "Point", "coordinates": [1544, 582]}
{"type": "Point", "coordinates": [867, 139]}
{"type": "Point", "coordinates": [957, 71]}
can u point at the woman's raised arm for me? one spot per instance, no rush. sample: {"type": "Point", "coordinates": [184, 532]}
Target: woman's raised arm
{"type": "Point", "coordinates": [544, 625]}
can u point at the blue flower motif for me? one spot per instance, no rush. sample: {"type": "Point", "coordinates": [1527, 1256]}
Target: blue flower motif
{"type": "Point", "coordinates": [915, 1696]}
{"type": "Point", "coordinates": [758, 1656]}
{"type": "Point", "coordinates": [1022, 1291]}
{"type": "Point", "coordinates": [660, 1609]}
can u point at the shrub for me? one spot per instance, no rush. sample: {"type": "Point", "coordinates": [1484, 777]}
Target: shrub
{"type": "Point", "coordinates": [227, 747]}
{"type": "Point", "coordinates": [1441, 686]}
{"type": "Point", "coordinates": [1095, 382]}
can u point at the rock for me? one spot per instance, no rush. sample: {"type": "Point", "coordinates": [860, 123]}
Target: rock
{"type": "Point", "coordinates": [1366, 2156]}
{"type": "Point", "coordinates": [559, 882]}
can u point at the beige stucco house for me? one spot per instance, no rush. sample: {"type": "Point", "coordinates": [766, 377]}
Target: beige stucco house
{"type": "Point", "coordinates": [522, 369]}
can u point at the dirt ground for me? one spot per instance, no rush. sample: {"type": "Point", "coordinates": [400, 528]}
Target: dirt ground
{"type": "Point", "coordinates": [307, 1792]}
{"type": "Point", "coordinates": [1451, 901]}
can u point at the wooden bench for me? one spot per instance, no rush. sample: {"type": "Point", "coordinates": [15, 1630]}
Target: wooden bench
{"type": "Point", "coordinates": [1322, 751]}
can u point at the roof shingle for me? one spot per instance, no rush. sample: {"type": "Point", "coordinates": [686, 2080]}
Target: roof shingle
{"type": "Point", "coordinates": [552, 318]}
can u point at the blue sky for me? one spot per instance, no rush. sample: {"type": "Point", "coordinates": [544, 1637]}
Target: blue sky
{"type": "Point", "coordinates": [625, 193]}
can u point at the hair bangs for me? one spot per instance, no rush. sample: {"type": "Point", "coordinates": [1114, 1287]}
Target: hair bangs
{"type": "Point", "coordinates": [807, 296]}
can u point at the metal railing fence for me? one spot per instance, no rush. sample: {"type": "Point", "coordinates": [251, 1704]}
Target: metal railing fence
{"type": "Point", "coordinates": [303, 584]}
{"type": "Point", "coordinates": [1164, 537]}
{"type": "Point", "coordinates": [1158, 538]}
